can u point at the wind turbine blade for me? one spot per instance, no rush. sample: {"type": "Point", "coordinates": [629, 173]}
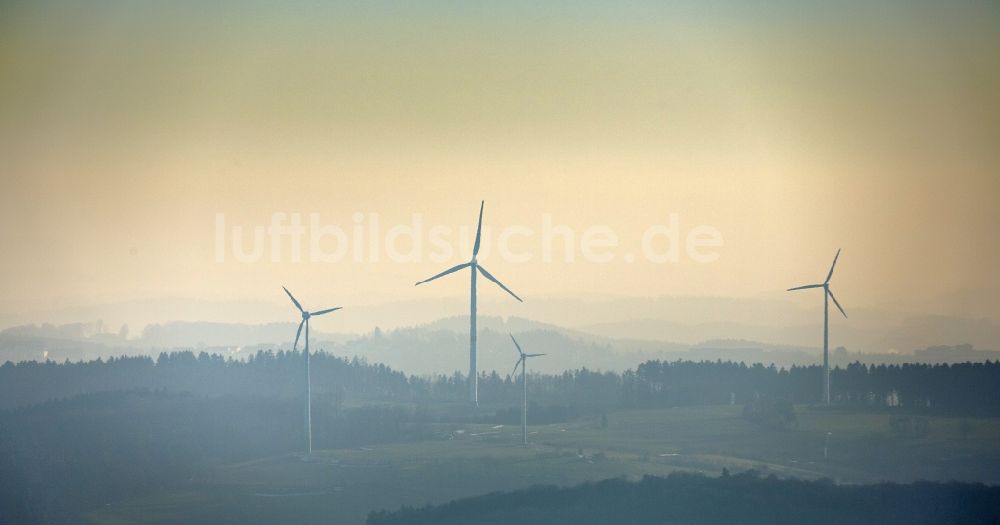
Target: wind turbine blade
{"type": "Point", "coordinates": [453, 269]}
{"type": "Point", "coordinates": [328, 310]}
{"type": "Point", "coordinates": [489, 276]}
{"type": "Point", "coordinates": [836, 303]}
{"type": "Point", "coordinates": [292, 297]}
{"type": "Point", "coordinates": [297, 334]}
{"type": "Point", "coordinates": [804, 287]}
{"type": "Point", "coordinates": [517, 345]}
{"type": "Point", "coordinates": [832, 266]}
{"type": "Point", "coordinates": [517, 364]}
{"type": "Point", "coordinates": [532, 355]}
{"type": "Point", "coordinates": [479, 230]}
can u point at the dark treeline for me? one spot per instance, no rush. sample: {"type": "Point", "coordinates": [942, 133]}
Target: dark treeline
{"type": "Point", "coordinates": [265, 374]}
{"type": "Point", "coordinates": [694, 499]}
{"type": "Point", "coordinates": [957, 388]}
{"type": "Point", "coordinates": [944, 388]}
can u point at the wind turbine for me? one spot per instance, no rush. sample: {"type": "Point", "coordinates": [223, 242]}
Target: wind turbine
{"type": "Point", "coordinates": [306, 315]}
{"type": "Point", "coordinates": [827, 295]}
{"type": "Point", "coordinates": [524, 383]}
{"type": "Point", "coordinates": [474, 268]}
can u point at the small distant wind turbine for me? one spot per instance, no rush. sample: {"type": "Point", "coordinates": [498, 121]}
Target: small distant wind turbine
{"type": "Point", "coordinates": [827, 295]}
{"type": "Point", "coordinates": [523, 361]}
{"type": "Point", "coordinates": [475, 268]}
{"type": "Point", "coordinates": [306, 315]}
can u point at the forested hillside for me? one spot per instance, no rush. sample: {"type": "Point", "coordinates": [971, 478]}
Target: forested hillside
{"type": "Point", "coordinates": [691, 499]}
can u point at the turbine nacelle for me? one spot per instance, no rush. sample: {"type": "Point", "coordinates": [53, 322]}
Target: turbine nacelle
{"type": "Point", "coordinates": [306, 315]}
{"type": "Point", "coordinates": [474, 261]}
{"type": "Point", "coordinates": [523, 356]}
{"type": "Point", "coordinates": [825, 285]}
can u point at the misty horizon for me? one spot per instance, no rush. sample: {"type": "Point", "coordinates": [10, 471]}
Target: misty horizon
{"type": "Point", "coordinates": [443, 263]}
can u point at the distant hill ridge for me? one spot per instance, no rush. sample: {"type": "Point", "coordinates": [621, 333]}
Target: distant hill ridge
{"type": "Point", "coordinates": [437, 347]}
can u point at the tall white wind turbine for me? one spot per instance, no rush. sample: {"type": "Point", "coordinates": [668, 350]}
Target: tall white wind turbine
{"type": "Point", "coordinates": [523, 361]}
{"type": "Point", "coordinates": [306, 315]}
{"type": "Point", "coordinates": [475, 268]}
{"type": "Point", "coordinates": [827, 295]}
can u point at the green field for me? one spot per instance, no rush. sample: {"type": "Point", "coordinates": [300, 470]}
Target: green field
{"type": "Point", "coordinates": [342, 486]}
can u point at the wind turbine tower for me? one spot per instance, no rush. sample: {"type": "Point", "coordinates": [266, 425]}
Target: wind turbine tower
{"type": "Point", "coordinates": [306, 315]}
{"type": "Point", "coordinates": [827, 295]}
{"type": "Point", "coordinates": [523, 361]}
{"type": "Point", "coordinates": [474, 269]}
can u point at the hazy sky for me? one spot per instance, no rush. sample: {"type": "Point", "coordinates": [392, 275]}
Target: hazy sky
{"type": "Point", "coordinates": [125, 128]}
